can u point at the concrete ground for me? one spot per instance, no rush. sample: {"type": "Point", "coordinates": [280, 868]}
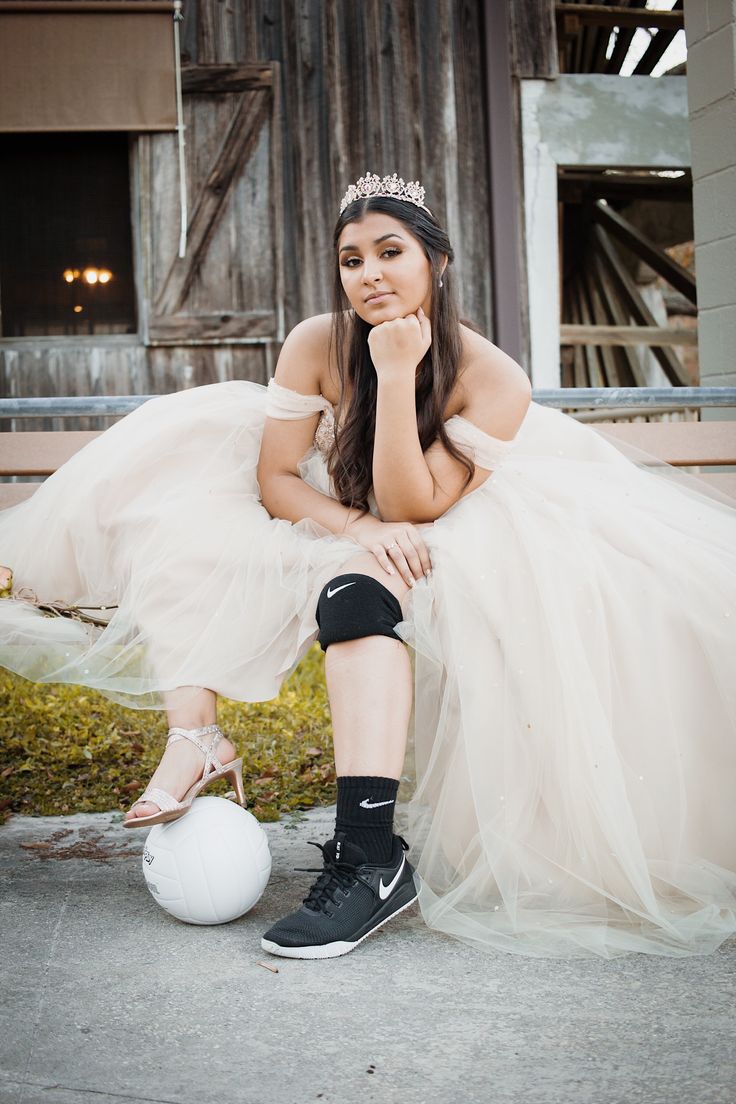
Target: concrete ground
{"type": "Point", "coordinates": [106, 998]}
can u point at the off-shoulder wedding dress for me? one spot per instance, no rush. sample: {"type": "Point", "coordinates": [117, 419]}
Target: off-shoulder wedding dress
{"type": "Point", "coordinates": [573, 739]}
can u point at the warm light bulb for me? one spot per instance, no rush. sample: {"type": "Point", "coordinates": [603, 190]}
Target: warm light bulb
{"type": "Point", "coordinates": [68, 275]}
{"type": "Point", "coordinates": [90, 275]}
{"type": "Point", "coordinates": [78, 309]}
{"type": "Point", "coordinates": [104, 275]}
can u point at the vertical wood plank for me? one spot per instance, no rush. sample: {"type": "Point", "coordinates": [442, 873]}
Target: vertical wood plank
{"type": "Point", "coordinates": [534, 38]}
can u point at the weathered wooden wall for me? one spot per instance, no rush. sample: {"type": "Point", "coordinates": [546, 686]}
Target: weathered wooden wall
{"type": "Point", "coordinates": [534, 38]}
{"type": "Point", "coordinates": [379, 86]}
{"type": "Point", "coordinates": [361, 85]}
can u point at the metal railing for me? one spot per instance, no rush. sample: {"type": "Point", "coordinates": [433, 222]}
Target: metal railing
{"type": "Point", "coordinates": [629, 400]}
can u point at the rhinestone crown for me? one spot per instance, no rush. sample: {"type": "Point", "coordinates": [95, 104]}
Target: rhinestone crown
{"type": "Point", "coordinates": [395, 186]}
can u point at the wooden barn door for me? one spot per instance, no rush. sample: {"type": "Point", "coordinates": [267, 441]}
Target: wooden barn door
{"type": "Point", "coordinates": [228, 289]}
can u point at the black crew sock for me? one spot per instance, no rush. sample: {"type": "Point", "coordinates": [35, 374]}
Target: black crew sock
{"type": "Point", "coordinates": [365, 813]}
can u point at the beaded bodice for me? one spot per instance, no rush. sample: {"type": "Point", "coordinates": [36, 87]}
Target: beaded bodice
{"type": "Point", "coordinates": [324, 434]}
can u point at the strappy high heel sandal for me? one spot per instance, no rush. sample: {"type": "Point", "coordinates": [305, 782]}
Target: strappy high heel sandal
{"type": "Point", "coordinates": [170, 808]}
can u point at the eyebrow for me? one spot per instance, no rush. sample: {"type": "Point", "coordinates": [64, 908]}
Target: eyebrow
{"type": "Point", "coordinates": [376, 242]}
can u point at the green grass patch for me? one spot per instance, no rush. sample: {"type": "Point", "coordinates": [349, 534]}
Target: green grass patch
{"type": "Point", "coordinates": [68, 749]}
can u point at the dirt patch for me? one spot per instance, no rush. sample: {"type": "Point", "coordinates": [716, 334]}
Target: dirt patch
{"type": "Point", "coordinates": [92, 845]}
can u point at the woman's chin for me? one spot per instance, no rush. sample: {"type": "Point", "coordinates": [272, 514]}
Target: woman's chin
{"type": "Point", "coordinates": [382, 311]}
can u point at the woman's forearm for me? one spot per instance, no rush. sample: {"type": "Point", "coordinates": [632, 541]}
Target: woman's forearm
{"type": "Point", "coordinates": [288, 496]}
{"type": "Point", "coordinates": [402, 482]}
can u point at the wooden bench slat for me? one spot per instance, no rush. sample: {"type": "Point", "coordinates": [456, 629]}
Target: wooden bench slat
{"type": "Point", "coordinates": [12, 493]}
{"type": "Point", "coordinates": [40, 453]}
{"type": "Point", "coordinates": [722, 481]}
{"type": "Point", "coordinates": [675, 442]}
{"type": "Point", "coordinates": [37, 453]}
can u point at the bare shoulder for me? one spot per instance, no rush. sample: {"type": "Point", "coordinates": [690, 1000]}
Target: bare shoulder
{"type": "Point", "coordinates": [301, 362]}
{"type": "Point", "coordinates": [495, 391]}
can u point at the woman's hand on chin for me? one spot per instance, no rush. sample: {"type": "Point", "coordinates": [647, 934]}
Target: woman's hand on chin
{"type": "Point", "coordinates": [398, 345]}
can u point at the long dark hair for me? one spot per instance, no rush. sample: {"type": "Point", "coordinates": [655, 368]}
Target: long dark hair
{"type": "Point", "coordinates": [350, 461]}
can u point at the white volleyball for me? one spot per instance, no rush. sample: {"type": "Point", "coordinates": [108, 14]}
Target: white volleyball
{"type": "Point", "coordinates": [211, 865]}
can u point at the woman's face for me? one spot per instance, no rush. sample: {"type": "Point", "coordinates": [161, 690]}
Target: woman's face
{"type": "Point", "coordinates": [379, 254]}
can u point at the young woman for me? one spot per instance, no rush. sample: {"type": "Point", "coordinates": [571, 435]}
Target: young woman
{"type": "Point", "coordinates": [569, 605]}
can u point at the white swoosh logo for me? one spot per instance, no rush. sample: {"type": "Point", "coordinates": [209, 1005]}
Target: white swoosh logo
{"type": "Point", "coordinates": [331, 592]}
{"type": "Point", "coordinates": [366, 804]}
{"type": "Point", "coordinates": [385, 891]}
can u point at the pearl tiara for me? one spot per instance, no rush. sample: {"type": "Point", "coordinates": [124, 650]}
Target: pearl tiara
{"type": "Point", "coordinates": [394, 186]}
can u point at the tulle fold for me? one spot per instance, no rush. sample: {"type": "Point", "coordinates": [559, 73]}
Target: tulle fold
{"type": "Point", "coordinates": [160, 521]}
{"type": "Point", "coordinates": [574, 723]}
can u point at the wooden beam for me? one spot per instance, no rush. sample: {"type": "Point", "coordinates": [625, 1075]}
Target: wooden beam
{"type": "Point", "coordinates": [629, 177]}
{"type": "Point", "coordinates": [635, 304]}
{"type": "Point", "coordinates": [568, 28]}
{"type": "Point", "coordinates": [656, 48]}
{"type": "Point", "coordinates": [630, 365]}
{"type": "Point", "coordinates": [175, 329]}
{"type": "Point", "coordinates": [574, 186]}
{"type": "Point", "coordinates": [599, 318]}
{"type": "Point", "coordinates": [620, 228]}
{"type": "Point", "coordinates": [226, 78]}
{"type": "Point", "coordinates": [678, 304]}
{"type": "Point", "coordinates": [602, 39]}
{"type": "Point", "coordinates": [590, 352]}
{"type": "Point", "coordinates": [589, 40]}
{"type": "Point", "coordinates": [604, 15]}
{"type": "Point", "coordinates": [571, 191]}
{"type": "Point", "coordinates": [579, 370]}
{"type": "Point", "coordinates": [626, 335]}
{"type": "Point", "coordinates": [623, 41]}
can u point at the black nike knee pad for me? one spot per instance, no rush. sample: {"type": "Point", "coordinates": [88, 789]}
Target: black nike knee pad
{"type": "Point", "coordinates": [355, 605]}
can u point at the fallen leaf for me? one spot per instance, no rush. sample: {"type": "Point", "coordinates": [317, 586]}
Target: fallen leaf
{"type": "Point", "coordinates": [268, 966]}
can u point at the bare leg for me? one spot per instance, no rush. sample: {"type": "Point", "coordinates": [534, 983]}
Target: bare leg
{"type": "Point", "coordinates": [369, 683]}
{"type": "Point", "coordinates": [181, 764]}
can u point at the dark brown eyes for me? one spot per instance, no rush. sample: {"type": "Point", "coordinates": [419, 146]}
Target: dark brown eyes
{"type": "Point", "coordinates": [346, 263]}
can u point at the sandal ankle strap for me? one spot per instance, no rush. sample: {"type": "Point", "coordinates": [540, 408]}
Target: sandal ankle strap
{"type": "Point", "coordinates": [208, 750]}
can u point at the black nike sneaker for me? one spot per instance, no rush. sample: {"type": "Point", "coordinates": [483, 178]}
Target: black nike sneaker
{"type": "Point", "coordinates": [349, 900]}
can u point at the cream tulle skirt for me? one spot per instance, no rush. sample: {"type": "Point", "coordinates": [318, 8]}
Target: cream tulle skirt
{"type": "Point", "coordinates": [573, 739]}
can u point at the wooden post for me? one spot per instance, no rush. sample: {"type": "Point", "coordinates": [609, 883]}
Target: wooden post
{"type": "Point", "coordinates": [505, 245]}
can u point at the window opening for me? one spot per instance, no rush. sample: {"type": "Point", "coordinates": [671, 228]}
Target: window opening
{"type": "Point", "coordinates": [66, 256]}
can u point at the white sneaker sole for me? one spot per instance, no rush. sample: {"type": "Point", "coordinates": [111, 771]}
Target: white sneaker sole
{"type": "Point", "coordinates": [328, 950]}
